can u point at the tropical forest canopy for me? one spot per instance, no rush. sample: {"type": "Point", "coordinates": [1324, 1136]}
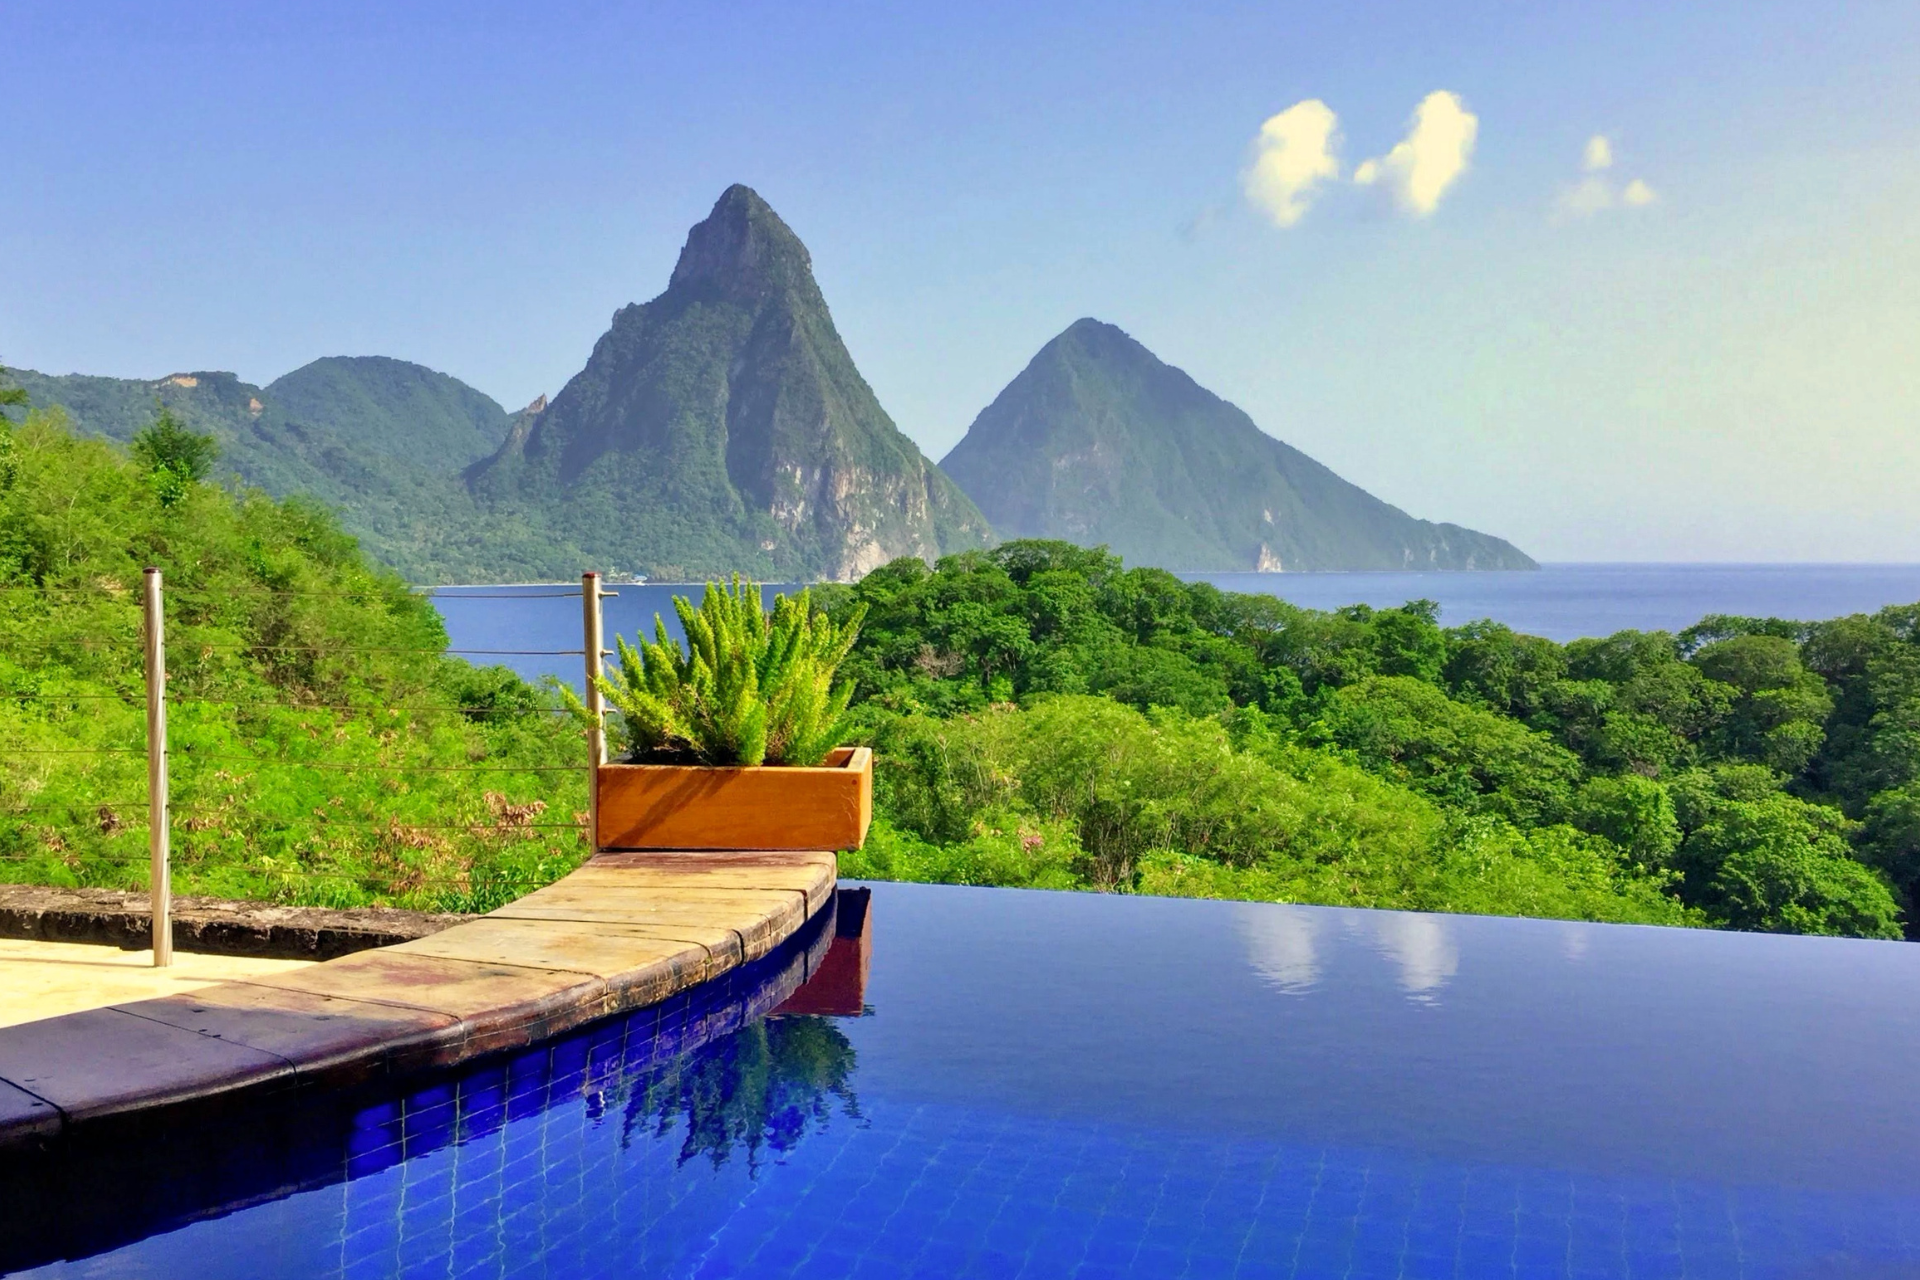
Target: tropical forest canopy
{"type": "Point", "coordinates": [1045, 715]}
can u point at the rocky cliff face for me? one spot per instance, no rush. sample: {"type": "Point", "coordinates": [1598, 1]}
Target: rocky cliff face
{"type": "Point", "coordinates": [1098, 441]}
{"type": "Point", "coordinates": [723, 426]}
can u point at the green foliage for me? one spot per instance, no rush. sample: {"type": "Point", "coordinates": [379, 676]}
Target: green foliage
{"type": "Point", "coordinates": [166, 444]}
{"type": "Point", "coordinates": [10, 397]}
{"type": "Point", "coordinates": [1760, 859]}
{"type": "Point", "coordinates": [1490, 663]}
{"type": "Point", "coordinates": [1043, 715]}
{"type": "Point", "coordinates": [1779, 714]}
{"type": "Point", "coordinates": [1890, 840]}
{"type": "Point", "coordinates": [750, 687]}
{"type": "Point", "coordinates": [290, 658]}
{"type": "Point", "coordinates": [1636, 814]}
{"type": "Point", "coordinates": [1461, 754]}
{"type": "Point", "coordinates": [175, 457]}
{"type": "Point", "coordinates": [1079, 791]}
{"type": "Point", "coordinates": [1757, 773]}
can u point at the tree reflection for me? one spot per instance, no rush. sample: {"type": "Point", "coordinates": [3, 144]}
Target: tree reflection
{"type": "Point", "coordinates": [762, 1089]}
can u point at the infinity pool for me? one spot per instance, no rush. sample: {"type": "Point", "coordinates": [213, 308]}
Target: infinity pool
{"type": "Point", "coordinates": [1078, 1085]}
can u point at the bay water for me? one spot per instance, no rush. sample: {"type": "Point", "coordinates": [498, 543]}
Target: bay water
{"type": "Point", "coordinates": [1562, 602]}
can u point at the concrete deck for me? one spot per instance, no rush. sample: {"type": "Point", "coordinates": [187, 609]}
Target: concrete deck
{"type": "Point", "coordinates": [624, 931]}
{"type": "Point", "coordinates": [47, 979]}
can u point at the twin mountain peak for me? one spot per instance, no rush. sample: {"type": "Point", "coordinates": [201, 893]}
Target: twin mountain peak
{"type": "Point", "coordinates": [722, 426]}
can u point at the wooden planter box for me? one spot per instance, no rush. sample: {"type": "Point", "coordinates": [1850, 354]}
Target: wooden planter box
{"type": "Point", "coordinates": [666, 806]}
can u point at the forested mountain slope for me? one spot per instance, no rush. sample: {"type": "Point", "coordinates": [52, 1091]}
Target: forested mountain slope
{"type": "Point", "coordinates": [722, 426]}
{"type": "Point", "coordinates": [381, 441]}
{"type": "Point", "coordinates": [1098, 441]}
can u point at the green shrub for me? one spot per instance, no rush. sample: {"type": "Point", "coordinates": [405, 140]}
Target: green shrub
{"type": "Point", "coordinates": [750, 687]}
{"type": "Point", "coordinates": [324, 751]}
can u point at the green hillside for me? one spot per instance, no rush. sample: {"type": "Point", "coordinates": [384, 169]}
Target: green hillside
{"type": "Point", "coordinates": [311, 714]}
{"type": "Point", "coordinates": [723, 426]}
{"type": "Point", "coordinates": [380, 441]}
{"type": "Point", "coordinates": [1099, 442]}
{"type": "Point", "coordinates": [393, 408]}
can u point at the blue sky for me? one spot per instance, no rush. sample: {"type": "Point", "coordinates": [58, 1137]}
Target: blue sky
{"type": "Point", "coordinates": [1727, 371]}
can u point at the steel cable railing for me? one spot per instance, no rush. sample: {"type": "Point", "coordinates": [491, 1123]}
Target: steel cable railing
{"type": "Point", "coordinates": [282, 846]}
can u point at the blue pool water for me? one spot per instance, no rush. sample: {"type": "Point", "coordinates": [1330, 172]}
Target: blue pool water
{"type": "Point", "coordinates": [1562, 601]}
{"type": "Point", "coordinates": [1080, 1085]}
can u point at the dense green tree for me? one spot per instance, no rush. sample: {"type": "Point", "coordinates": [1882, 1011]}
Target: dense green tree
{"type": "Point", "coordinates": [1408, 641]}
{"type": "Point", "coordinates": [1890, 840]}
{"type": "Point", "coordinates": [1491, 663]}
{"type": "Point", "coordinates": [1461, 754]}
{"type": "Point", "coordinates": [1756, 858]}
{"type": "Point", "coordinates": [1630, 702]}
{"type": "Point", "coordinates": [1778, 715]}
{"type": "Point", "coordinates": [1636, 814]}
{"type": "Point", "coordinates": [175, 456]}
{"type": "Point", "coordinates": [168, 443]}
{"type": "Point", "coordinates": [11, 397]}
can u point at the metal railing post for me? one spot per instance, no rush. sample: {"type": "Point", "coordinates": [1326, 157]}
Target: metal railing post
{"type": "Point", "coordinates": [593, 641]}
{"type": "Point", "coordinates": [160, 875]}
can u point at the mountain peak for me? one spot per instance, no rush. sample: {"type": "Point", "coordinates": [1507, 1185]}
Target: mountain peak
{"type": "Point", "coordinates": [1099, 441]}
{"type": "Point", "coordinates": [1100, 339]}
{"type": "Point", "coordinates": [723, 426]}
{"type": "Point", "coordinates": [742, 245]}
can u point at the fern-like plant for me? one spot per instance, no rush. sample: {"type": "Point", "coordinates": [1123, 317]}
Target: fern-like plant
{"type": "Point", "coordinates": [750, 687]}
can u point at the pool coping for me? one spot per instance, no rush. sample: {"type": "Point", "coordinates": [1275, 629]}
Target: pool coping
{"type": "Point", "coordinates": [209, 926]}
{"type": "Point", "coordinates": [623, 931]}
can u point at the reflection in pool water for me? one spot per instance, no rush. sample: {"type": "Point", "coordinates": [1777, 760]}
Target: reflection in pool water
{"type": "Point", "coordinates": [1095, 1086]}
{"type": "Point", "coordinates": [756, 1093]}
{"type": "Point", "coordinates": [1420, 945]}
{"type": "Point", "coordinates": [1283, 945]}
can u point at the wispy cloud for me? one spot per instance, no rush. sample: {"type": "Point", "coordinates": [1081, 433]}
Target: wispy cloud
{"type": "Point", "coordinates": [1296, 152]}
{"type": "Point", "coordinates": [1597, 191]}
{"type": "Point", "coordinates": [1430, 159]}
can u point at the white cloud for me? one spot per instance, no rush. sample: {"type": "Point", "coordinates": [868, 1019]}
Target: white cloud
{"type": "Point", "coordinates": [1431, 158]}
{"type": "Point", "coordinates": [1597, 192]}
{"type": "Point", "coordinates": [1294, 154]}
{"type": "Point", "coordinates": [1587, 197]}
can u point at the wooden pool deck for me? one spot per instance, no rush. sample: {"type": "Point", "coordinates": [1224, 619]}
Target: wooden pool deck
{"type": "Point", "coordinates": [624, 931]}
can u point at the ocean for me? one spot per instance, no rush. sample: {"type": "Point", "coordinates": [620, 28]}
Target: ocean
{"type": "Point", "coordinates": [1561, 601]}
